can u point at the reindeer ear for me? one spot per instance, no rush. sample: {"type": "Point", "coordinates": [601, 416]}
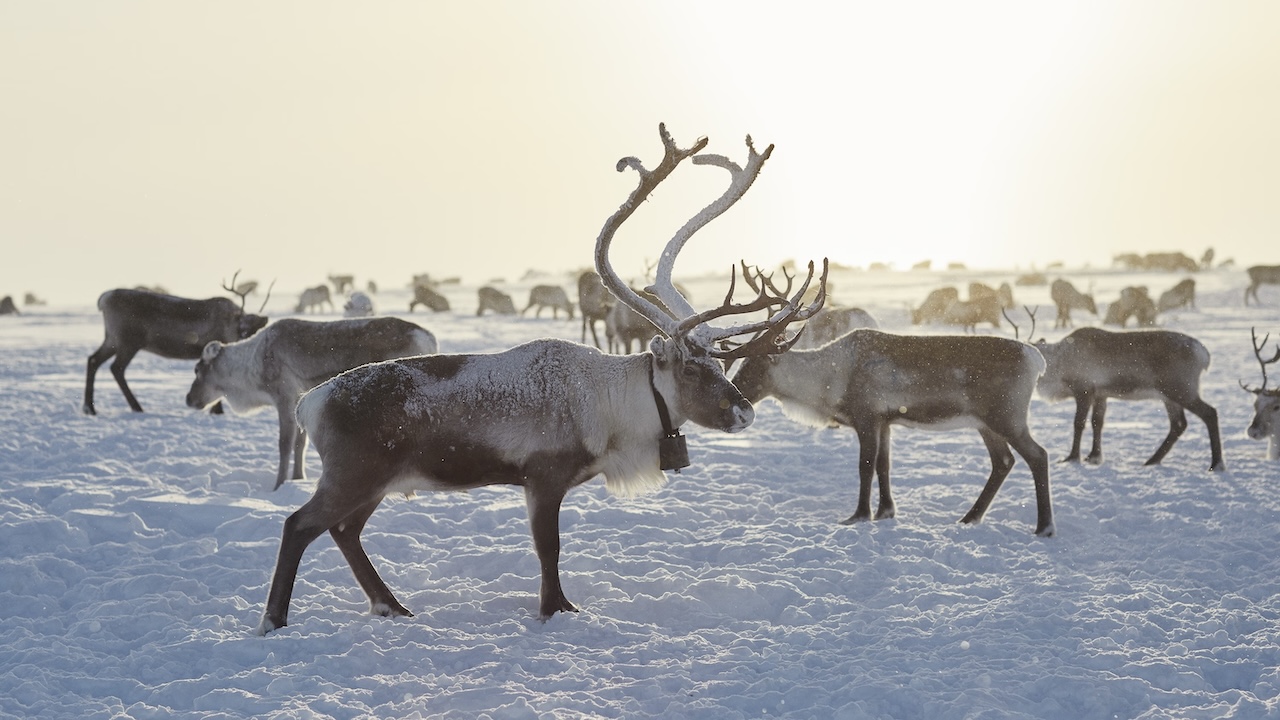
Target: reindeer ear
{"type": "Point", "coordinates": [662, 348]}
{"type": "Point", "coordinates": [211, 351]}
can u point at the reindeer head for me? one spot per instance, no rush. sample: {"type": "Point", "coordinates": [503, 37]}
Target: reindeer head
{"type": "Point", "coordinates": [687, 355]}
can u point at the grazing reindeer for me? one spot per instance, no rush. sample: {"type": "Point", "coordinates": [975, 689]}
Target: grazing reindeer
{"type": "Point", "coordinates": [358, 305]}
{"type": "Point", "coordinates": [968, 313]}
{"type": "Point", "coordinates": [424, 294]}
{"type": "Point", "coordinates": [1067, 298]}
{"type": "Point", "coordinates": [1135, 303]}
{"type": "Point", "coordinates": [548, 415]}
{"type": "Point", "coordinates": [1092, 364]}
{"type": "Point", "coordinates": [551, 296]}
{"type": "Point", "coordinates": [831, 323]}
{"type": "Point", "coordinates": [1179, 296]}
{"type": "Point", "coordinates": [871, 380]}
{"type": "Point", "coordinates": [595, 301]}
{"type": "Point", "coordinates": [1260, 275]}
{"type": "Point", "coordinates": [171, 327]}
{"type": "Point", "coordinates": [935, 305]}
{"type": "Point", "coordinates": [314, 298]}
{"type": "Point", "coordinates": [624, 325]}
{"type": "Point", "coordinates": [276, 366]}
{"type": "Point", "coordinates": [1266, 404]}
{"type": "Point", "coordinates": [1004, 294]}
{"type": "Point", "coordinates": [491, 298]}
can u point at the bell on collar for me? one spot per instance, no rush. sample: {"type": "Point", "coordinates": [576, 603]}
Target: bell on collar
{"type": "Point", "coordinates": [673, 454]}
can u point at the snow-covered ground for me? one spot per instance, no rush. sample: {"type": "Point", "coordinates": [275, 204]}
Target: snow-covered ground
{"type": "Point", "coordinates": [135, 552]}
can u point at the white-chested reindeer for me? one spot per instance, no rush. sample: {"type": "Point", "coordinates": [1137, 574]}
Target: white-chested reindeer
{"type": "Point", "coordinates": [1092, 364]}
{"type": "Point", "coordinates": [289, 357]}
{"type": "Point", "coordinates": [870, 381]}
{"type": "Point", "coordinates": [546, 416]}
{"type": "Point", "coordinates": [1266, 403]}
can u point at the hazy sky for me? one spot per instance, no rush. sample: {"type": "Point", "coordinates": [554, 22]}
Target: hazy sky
{"type": "Point", "coordinates": [174, 142]}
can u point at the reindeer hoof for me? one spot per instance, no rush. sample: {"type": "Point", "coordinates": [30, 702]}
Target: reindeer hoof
{"type": "Point", "coordinates": [1046, 531]}
{"type": "Point", "coordinates": [389, 610]}
{"type": "Point", "coordinates": [856, 518]}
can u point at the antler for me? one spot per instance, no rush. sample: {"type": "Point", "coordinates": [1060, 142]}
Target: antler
{"type": "Point", "coordinates": [268, 297]}
{"type": "Point", "coordinates": [676, 305]}
{"type": "Point", "coordinates": [1257, 352]}
{"type": "Point", "coordinates": [770, 338]}
{"type": "Point", "coordinates": [232, 289]}
{"type": "Point", "coordinates": [1016, 332]}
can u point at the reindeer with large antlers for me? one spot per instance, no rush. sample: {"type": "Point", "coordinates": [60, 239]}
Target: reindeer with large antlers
{"type": "Point", "coordinates": [1266, 403]}
{"type": "Point", "coordinates": [546, 416]}
{"type": "Point", "coordinates": [171, 327]}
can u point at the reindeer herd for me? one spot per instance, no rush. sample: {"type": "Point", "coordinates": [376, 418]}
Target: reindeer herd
{"type": "Point", "coordinates": [389, 413]}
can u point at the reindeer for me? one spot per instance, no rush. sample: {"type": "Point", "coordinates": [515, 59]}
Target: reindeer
{"type": "Point", "coordinates": [8, 307]}
{"type": "Point", "coordinates": [314, 298]}
{"type": "Point", "coordinates": [424, 294]}
{"type": "Point", "coordinates": [935, 305]}
{"type": "Point", "coordinates": [1266, 403]}
{"type": "Point", "coordinates": [551, 296]}
{"type": "Point", "coordinates": [1092, 364]}
{"type": "Point", "coordinates": [171, 327]}
{"type": "Point", "coordinates": [547, 416]}
{"type": "Point", "coordinates": [342, 283]}
{"type": "Point", "coordinates": [870, 380]}
{"type": "Point", "coordinates": [831, 323]}
{"type": "Point", "coordinates": [1003, 294]}
{"type": "Point", "coordinates": [595, 302]}
{"type": "Point", "coordinates": [1067, 298]}
{"type": "Point", "coordinates": [968, 313]}
{"type": "Point", "coordinates": [491, 298]}
{"type": "Point", "coordinates": [276, 366]}
{"type": "Point", "coordinates": [358, 305]}
{"type": "Point", "coordinates": [1134, 302]}
{"type": "Point", "coordinates": [623, 324]}
{"type": "Point", "coordinates": [1260, 275]}
{"type": "Point", "coordinates": [1180, 295]}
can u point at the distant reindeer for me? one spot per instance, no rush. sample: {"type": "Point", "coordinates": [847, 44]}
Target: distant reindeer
{"type": "Point", "coordinates": [1179, 296]}
{"type": "Point", "coordinates": [968, 313]}
{"type": "Point", "coordinates": [1090, 365]}
{"type": "Point", "coordinates": [1066, 298]}
{"type": "Point", "coordinates": [171, 327]}
{"type": "Point", "coordinates": [546, 416]}
{"type": "Point", "coordinates": [870, 380]}
{"type": "Point", "coordinates": [832, 323]}
{"type": "Point", "coordinates": [424, 294]}
{"type": "Point", "coordinates": [1134, 303]}
{"type": "Point", "coordinates": [358, 305]}
{"type": "Point", "coordinates": [8, 307]}
{"type": "Point", "coordinates": [551, 296]}
{"type": "Point", "coordinates": [1260, 275]}
{"type": "Point", "coordinates": [342, 283]}
{"type": "Point", "coordinates": [248, 287]}
{"type": "Point", "coordinates": [276, 366]}
{"type": "Point", "coordinates": [493, 299]}
{"type": "Point", "coordinates": [935, 305]}
{"type": "Point", "coordinates": [1266, 404]}
{"type": "Point", "coordinates": [1003, 294]}
{"type": "Point", "coordinates": [314, 298]}
{"type": "Point", "coordinates": [623, 324]}
{"type": "Point", "coordinates": [594, 301]}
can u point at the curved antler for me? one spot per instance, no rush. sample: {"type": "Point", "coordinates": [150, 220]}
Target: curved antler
{"type": "Point", "coordinates": [232, 289]}
{"type": "Point", "coordinates": [649, 179]}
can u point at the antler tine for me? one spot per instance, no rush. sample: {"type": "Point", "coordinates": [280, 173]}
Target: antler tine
{"type": "Point", "coordinates": [769, 341]}
{"type": "Point", "coordinates": [233, 290]}
{"type": "Point", "coordinates": [1257, 352]}
{"type": "Point", "coordinates": [268, 297]}
{"type": "Point", "coordinates": [1016, 331]}
{"type": "Point", "coordinates": [649, 180]}
{"type": "Point", "coordinates": [742, 179]}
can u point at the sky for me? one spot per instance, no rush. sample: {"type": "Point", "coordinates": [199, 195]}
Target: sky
{"type": "Point", "coordinates": [174, 143]}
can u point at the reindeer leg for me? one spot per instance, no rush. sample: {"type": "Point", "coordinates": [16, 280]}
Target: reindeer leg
{"type": "Point", "coordinates": [1099, 416]}
{"type": "Point", "coordinates": [117, 371]}
{"type": "Point", "coordinates": [98, 357]}
{"type": "Point", "coordinates": [1083, 402]}
{"type": "Point", "coordinates": [346, 535]}
{"type": "Point", "coordinates": [886, 509]}
{"type": "Point", "coordinates": [1035, 456]}
{"type": "Point", "coordinates": [544, 522]}
{"type": "Point", "coordinates": [320, 513]}
{"type": "Point", "coordinates": [868, 455]}
{"type": "Point", "coordinates": [1209, 416]}
{"type": "Point", "coordinates": [1001, 464]}
{"type": "Point", "coordinates": [291, 442]}
{"type": "Point", "coordinates": [1177, 424]}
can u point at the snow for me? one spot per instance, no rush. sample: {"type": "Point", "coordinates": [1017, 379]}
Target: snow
{"type": "Point", "coordinates": [136, 550]}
